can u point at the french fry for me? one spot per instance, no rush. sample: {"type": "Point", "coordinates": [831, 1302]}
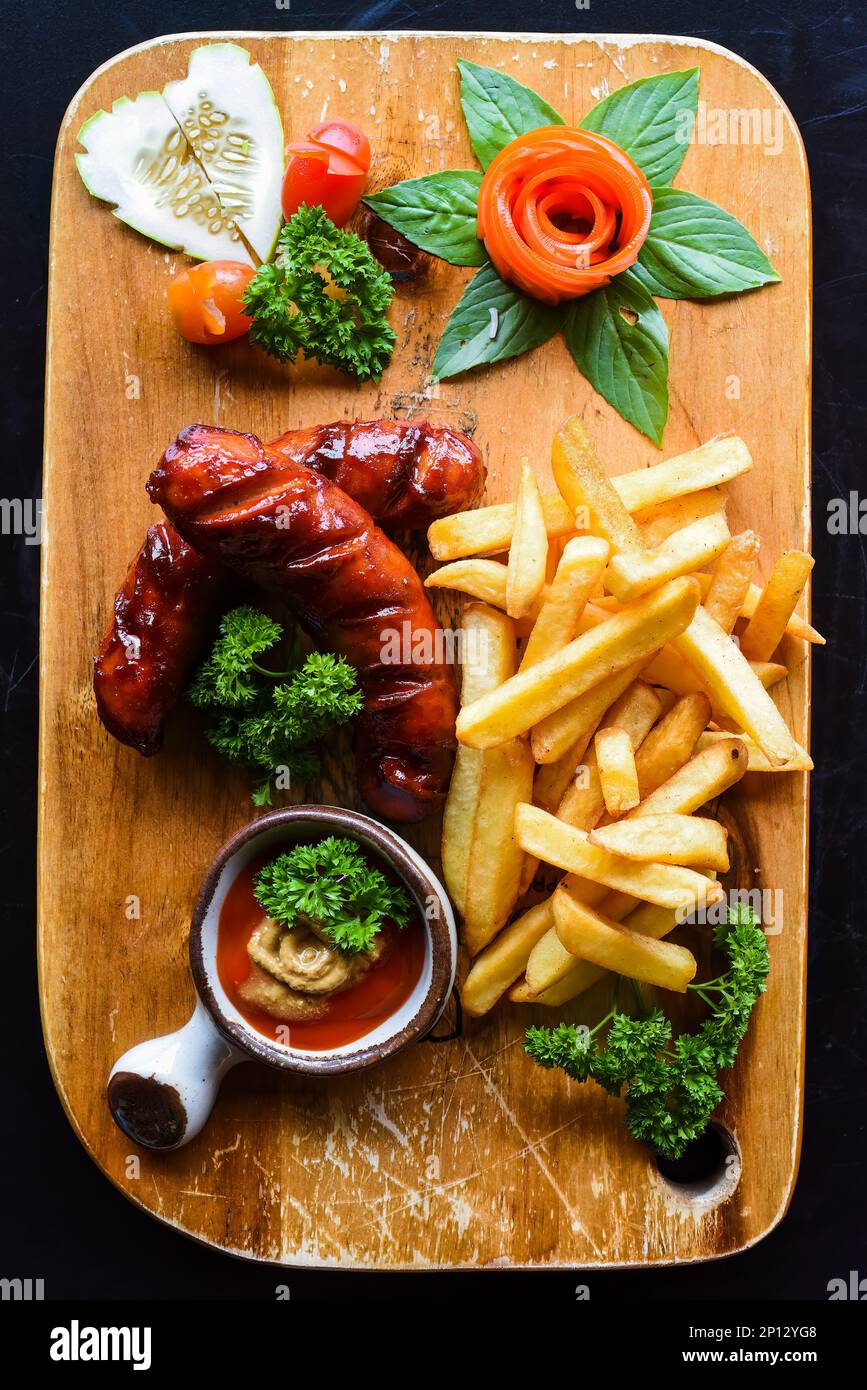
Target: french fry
{"type": "Point", "coordinates": [647, 919]}
{"type": "Point", "coordinates": [618, 778]}
{"type": "Point", "coordinates": [553, 779]}
{"type": "Point", "coordinates": [496, 858]}
{"type": "Point", "coordinates": [707, 775]}
{"type": "Point", "coordinates": [587, 489]}
{"type": "Point", "coordinates": [488, 530]}
{"type": "Point", "coordinates": [631, 574]}
{"type": "Point", "coordinates": [577, 720]}
{"type": "Point", "coordinates": [756, 759]}
{"type": "Point", "coordinates": [615, 947]}
{"type": "Point", "coordinates": [716, 462]}
{"type": "Point", "coordinates": [583, 804]}
{"type": "Point", "coordinates": [481, 579]}
{"type": "Point", "coordinates": [657, 523]}
{"type": "Point", "coordinates": [692, 841]}
{"type": "Point", "coordinates": [764, 631]}
{"type": "Point", "coordinates": [671, 742]}
{"type": "Point", "coordinates": [489, 659]}
{"type": "Point", "coordinates": [552, 840]}
{"type": "Point", "coordinates": [528, 553]}
{"type": "Point", "coordinates": [731, 578]}
{"type": "Point", "coordinates": [500, 964]}
{"type": "Point", "coordinates": [721, 666]}
{"type": "Point", "coordinates": [622, 639]}
{"type": "Point", "coordinates": [670, 670]}
{"type": "Point", "coordinates": [796, 626]}
{"type": "Point", "coordinates": [580, 566]}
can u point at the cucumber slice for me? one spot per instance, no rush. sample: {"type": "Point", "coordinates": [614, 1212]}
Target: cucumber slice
{"type": "Point", "coordinates": [135, 156]}
{"type": "Point", "coordinates": [226, 110]}
{"type": "Point", "coordinates": [192, 165]}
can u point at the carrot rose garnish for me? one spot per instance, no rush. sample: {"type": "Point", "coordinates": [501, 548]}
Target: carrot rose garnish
{"type": "Point", "coordinates": [561, 211]}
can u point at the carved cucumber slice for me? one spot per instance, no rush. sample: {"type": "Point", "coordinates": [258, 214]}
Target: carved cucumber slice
{"type": "Point", "coordinates": [135, 156]}
{"type": "Point", "coordinates": [226, 110]}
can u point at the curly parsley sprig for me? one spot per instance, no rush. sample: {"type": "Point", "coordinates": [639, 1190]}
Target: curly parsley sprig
{"type": "Point", "coordinates": [325, 295]}
{"type": "Point", "coordinates": [332, 885]}
{"type": "Point", "coordinates": [670, 1087]}
{"type": "Point", "coordinates": [268, 719]}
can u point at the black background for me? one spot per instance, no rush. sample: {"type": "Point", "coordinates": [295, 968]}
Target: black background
{"type": "Point", "coordinates": [62, 1220]}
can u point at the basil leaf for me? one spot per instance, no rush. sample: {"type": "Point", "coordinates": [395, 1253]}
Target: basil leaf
{"type": "Point", "coordinates": [497, 108]}
{"type": "Point", "coordinates": [520, 324]}
{"type": "Point", "coordinates": [437, 213]}
{"type": "Point", "coordinates": [619, 340]}
{"type": "Point", "coordinates": [652, 120]}
{"type": "Point", "coordinates": [695, 250]}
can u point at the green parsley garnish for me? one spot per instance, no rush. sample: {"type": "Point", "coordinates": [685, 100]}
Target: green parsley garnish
{"type": "Point", "coordinates": [325, 295]}
{"type": "Point", "coordinates": [671, 1088]}
{"type": "Point", "coordinates": [332, 885]}
{"type": "Point", "coordinates": [270, 720]}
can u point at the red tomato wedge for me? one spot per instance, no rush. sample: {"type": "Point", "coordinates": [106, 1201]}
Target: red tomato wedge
{"type": "Point", "coordinates": [206, 301]}
{"type": "Point", "coordinates": [327, 169]}
{"type": "Point", "coordinates": [561, 211]}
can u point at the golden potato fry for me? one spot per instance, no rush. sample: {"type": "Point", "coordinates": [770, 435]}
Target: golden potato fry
{"type": "Point", "coordinates": [718, 461]}
{"type": "Point", "coordinates": [579, 719]}
{"type": "Point", "coordinates": [490, 656]}
{"type": "Point", "coordinates": [670, 670]}
{"type": "Point", "coordinates": [671, 742]}
{"type": "Point", "coordinates": [553, 779]}
{"type": "Point", "coordinates": [552, 840]}
{"type": "Point", "coordinates": [615, 762]}
{"type": "Point", "coordinates": [580, 567]}
{"type": "Point", "coordinates": [756, 759]}
{"type": "Point", "coordinates": [488, 530]}
{"type": "Point", "coordinates": [796, 626]}
{"type": "Point", "coordinates": [706, 775]}
{"type": "Point", "coordinates": [622, 639]}
{"type": "Point", "coordinates": [583, 803]}
{"type": "Point", "coordinates": [733, 685]}
{"type": "Point", "coordinates": [500, 964]}
{"type": "Point", "coordinates": [632, 574]}
{"type": "Point", "coordinates": [692, 841]}
{"type": "Point", "coordinates": [615, 947]}
{"type": "Point", "coordinates": [481, 579]}
{"type": "Point", "coordinates": [587, 489]}
{"type": "Point", "coordinates": [731, 580]}
{"type": "Point", "coordinates": [496, 859]}
{"type": "Point", "coordinates": [764, 631]}
{"type": "Point", "coordinates": [657, 523]}
{"type": "Point", "coordinates": [647, 920]}
{"type": "Point", "coordinates": [528, 553]}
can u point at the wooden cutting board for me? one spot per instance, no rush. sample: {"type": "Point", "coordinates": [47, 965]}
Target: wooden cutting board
{"type": "Point", "coordinates": [462, 1154]}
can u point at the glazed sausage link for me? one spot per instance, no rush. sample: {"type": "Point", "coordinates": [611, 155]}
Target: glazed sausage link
{"type": "Point", "coordinates": [162, 620]}
{"type": "Point", "coordinates": [294, 533]}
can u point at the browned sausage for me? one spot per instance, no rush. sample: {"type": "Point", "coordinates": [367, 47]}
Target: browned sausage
{"type": "Point", "coordinates": [162, 620]}
{"type": "Point", "coordinates": [404, 474]}
{"type": "Point", "coordinates": [294, 533]}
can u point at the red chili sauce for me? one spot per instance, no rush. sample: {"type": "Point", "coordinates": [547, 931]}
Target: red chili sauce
{"type": "Point", "coordinates": [352, 1013]}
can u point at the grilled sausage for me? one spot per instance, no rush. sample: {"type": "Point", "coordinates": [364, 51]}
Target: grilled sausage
{"type": "Point", "coordinates": [294, 533]}
{"type": "Point", "coordinates": [162, 620]}
{"type": "Point", "coordinates": [404, 474]}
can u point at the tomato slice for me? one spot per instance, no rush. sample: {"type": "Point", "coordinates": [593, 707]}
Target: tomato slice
{"type": "Point", "coordinates": [206, 301]}
{"type": "Point", "coordinates": [328, 169]}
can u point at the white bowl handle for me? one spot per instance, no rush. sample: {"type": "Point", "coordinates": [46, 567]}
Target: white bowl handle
{"type": "Point", "coordinates": [161, 1092]}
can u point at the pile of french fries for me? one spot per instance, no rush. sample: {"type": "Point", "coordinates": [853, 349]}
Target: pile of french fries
{"type": "Point", "coordinates": [615, 681]}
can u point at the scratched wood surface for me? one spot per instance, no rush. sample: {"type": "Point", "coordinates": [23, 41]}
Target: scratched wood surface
{"type": "Point", "coordinates": [464, 1154]}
